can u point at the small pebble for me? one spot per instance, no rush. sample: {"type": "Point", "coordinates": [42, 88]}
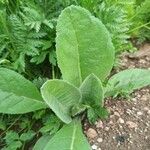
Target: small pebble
{"type": "Point", "coordinates": [116, 114]}
{"type": "Point", "coordinates": [111, 122]}
{"type": "Point", "coordinates": [99, 124]}
{"type": "Point", "coordinates": [133, 108]}
{"type": "Point", "coordinates": [134, 99]}
{"type": "Point", "coordinates": [142, 61]}
{"type": "Point", "coordinates": [139, 113]}
{"type": "Point", "coordinates": [94, 147]}
{"type": "Point", "coordinates": [112, 116]}
{"type": "Point", "coordinates": [129, 111]}
{"type": "Point", "coordinates": [120, 120]}
{"type": "Point", "coordinates": [148, 112]}
{"type": "Point", "coordinates": [99, 140]}
{"type": "Point", "coordinates": [146, 109]}
{"type": "Point", "coordinates": [106, 129]}
{"type": "Point", "coordinates": [91, 133]}
{"type": "Point", "coordinates": [143, 98]}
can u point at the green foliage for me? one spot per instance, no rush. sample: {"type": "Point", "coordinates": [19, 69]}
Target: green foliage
{"type": "Point", "coordinates": [27, 136]}
{"type": "Point", "coordinates": [93, 98]}
{"type": "Point", "coordinates": [61, 96]}
{"type": "Point", "coordinates": [85, 56]}
{"type": "Point", "coordinates": [127, 81]}
{"type": "Point", "coordinates": [141, 20]}
{"type": "Point", "coordinates": [114, 17]}
{"type": "Point", "coordinates": [18, 95]}
{"type": "Point", "coordinates": [25, 34]}
{"type": "Point", "coordinates": [25, 129]}
{"type": "Point", "coordinates": [78, 50]}
{"type": "Point", "coordinates": [96, 112]}
{"type": "Point", "coordinates": [42, 142]}
{"type": "Point", "coordinates": [92, 91]}
{"type": "Point", "coordinates": [69, 137]}
{"type": "Point", "coordinates": [2, 124]}
{"type": "Point", "coordinates": [14, 141]}
{"type": "Point", "coordinates": [51, 124]}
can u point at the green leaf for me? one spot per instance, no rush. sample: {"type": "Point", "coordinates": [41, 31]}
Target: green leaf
{"type": "Point", "coordinates": [2, 124]}
{"type": "Point", "coordinates": [70, 137]}
{"type": "Point", "coordinates": [11, 136]}
{"type": "Point", "coordinates": [101, 112]}
{"type": "Point", "coordinates": [40, 144]}
{"type": "Point", "coordinates": [91, 115]}
{"type": "Point", "coordinates": [51, 124]}
{"type": "Point", "coordinates": [97, 112]}
{"type": "Point", "coordinates": [93, 97]}
{"type": "Point", "coordinates": [77, 109]}
{"type": "Point", "coordinates": [27, 136]}
{"type": "Point", "coordinates": [92, 91]}
{"type": "Point", "coordinates": [15, 145]}
{"type": "Point", "coordinates": [61, 97]}
{"type": "Point", "coordinates": [127, 81]}
{"type": "Point", "coordinates": [18, 95]}
{"type": "Point", "coordinates": [83, 46]}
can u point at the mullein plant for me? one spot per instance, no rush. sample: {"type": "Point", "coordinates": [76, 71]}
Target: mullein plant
{"type": "Point", "coordinates": [85, 55]}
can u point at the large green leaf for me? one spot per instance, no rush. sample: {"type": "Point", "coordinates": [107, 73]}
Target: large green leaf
{"type": "Point", "coordinates": [61, 97]}
{"type": "Point", "coordinates": [83, 46]}
{"type": "Point", "coordinates": [42, 142]}
{"type": "Point", "coordinates": [127, 81]}
{"type": "Point", "coordinates": [70, 137]}
{"type": "Point", "coordinates": [18, 95]}
{"type": "Point", "coordinates": [92, 91]}
{"type": "Point", "coordinates": [93, 96]}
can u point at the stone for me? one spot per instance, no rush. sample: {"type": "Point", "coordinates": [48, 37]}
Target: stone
{"type": "Point", "coordinates": [134, 99]}
{"type": "Point", "coordinates": [148, 112]}
{"type": "Point", "coordinates": [146, 109]}
{"type": "Point", "coordinates": [99, 124]}
{"type": "Point", "coordinates": [144, 98]}
{"type": "Point", "coordinates": [106, 129]}
{"type": "Point", "coordinates": [116, 114]}
{"type": "Point", "coordinates": [94, 147]}
{"type": "Point", "coordinates": [128, 111]}
{"type": "Point", "coordinates": [91, 133]}
{"type": "Point", "coordinates": [120, 120]}
{"type": "Point", "coordinates": [111, 122]}
{"type": "Point", "coordinates": [131, 124]}
{"type": "Point", "coordinates": [99, 140]}
{"type": "Point", "coordinates": [139, 113]}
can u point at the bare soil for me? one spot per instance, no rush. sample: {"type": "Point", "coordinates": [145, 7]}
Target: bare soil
{"type": "Point", "coordinates": [128, 127]}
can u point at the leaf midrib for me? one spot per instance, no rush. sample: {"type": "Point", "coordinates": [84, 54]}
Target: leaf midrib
{"type": "Point", "coordinates": [79, 65]}
{"type": "Point", "coordinates": [73, 137]}
{"type": "Point", "coordinates": [35, 100]}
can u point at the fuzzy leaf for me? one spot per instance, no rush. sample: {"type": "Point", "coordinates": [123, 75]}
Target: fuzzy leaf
{"type": "Point", "coordinates": [127, 81]}
{"type": "Point", "coordinates": [40, 144]}
{"type": "Point", "coordinates": [83, 46]}
{"type": "Point", "coordinates": [61, 97]}
{"type": "Point", "coordinates": [70, 137]}
{"type": "Point", "coordinates": [92, 91]}
{"type": "Point", "coordinates": [93, 114]}
{"type": "Point", "coordinates": [27, 136]}
{"type": "Point", "coordinates": [18, 95]}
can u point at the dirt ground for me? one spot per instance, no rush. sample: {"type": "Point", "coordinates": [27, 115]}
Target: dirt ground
{"type": "Point", "coordinates": [128, 127]}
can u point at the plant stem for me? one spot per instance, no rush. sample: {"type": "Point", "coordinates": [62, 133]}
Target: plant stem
{"type": "Point", "coordinates": [10, 126]}
{"type": "Point", "coordinates": [143, 25]}
{"type": "Point", "coordinates": [53, 72]}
